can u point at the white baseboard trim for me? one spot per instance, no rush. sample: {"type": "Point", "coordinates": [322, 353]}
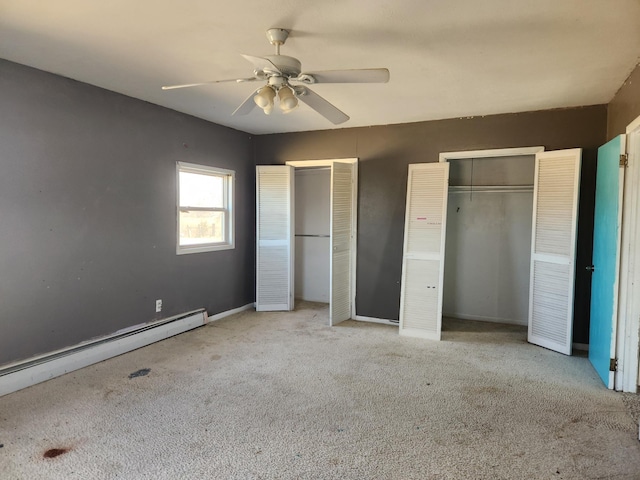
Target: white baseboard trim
{"type": "Point", "coordinates": [54, 364]}
{"type": "Point", "coordinates": [383, 321]}
{"type": "Point", "coordinates": [581, 346]}
{"type": "Point", "coordinates": [218, 316]}
{"type": "Point", "coordinates": [480, 318]}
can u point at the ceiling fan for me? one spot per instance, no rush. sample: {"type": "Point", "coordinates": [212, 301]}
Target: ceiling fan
{"type": "Point", "coordinates": [286, 81]}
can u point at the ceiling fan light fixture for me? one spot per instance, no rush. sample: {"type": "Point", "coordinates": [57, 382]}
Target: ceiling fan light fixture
{"type": "Point", "coordinates": [288, 100]}
{"type": "Point", "coordinates": [286, 112]}
{"type": "Point", "coordinates": [264, 98]}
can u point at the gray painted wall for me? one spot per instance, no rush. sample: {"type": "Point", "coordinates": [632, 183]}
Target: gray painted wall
{"type": "Point", "coordinates": [385, 152]}
{"type": "Point", "coordinates": [624, 108]}
{"type": "Point", "coordinates": [87, 213]}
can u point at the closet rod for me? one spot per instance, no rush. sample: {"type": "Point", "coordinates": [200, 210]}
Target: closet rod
{"type": "Point", "coordinates": [491, 189]}
{"type": "Point", "coordinates": [314, 236]}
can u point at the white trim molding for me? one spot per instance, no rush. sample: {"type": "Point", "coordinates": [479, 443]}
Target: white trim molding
{"type": "Point", "coordinates": [627, 377]}
{"type": "Point", "coordinates": [319, 163]}
{"type": "Point", "coordinates": [220, 316]}
{"type": "Point", "coordinates": [499, 152]}
{"type": "Point", "coordinates": [633, 126]}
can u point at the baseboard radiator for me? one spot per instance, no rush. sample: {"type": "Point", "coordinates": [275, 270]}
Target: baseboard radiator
{"type": "Point", "coordinates": [23, 374]}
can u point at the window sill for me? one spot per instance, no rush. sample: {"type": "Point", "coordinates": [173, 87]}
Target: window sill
{"type": "Point", "coordinates": [186, 249]}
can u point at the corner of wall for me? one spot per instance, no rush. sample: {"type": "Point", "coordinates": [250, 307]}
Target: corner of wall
{"type": "Point", "coordinates": [624, 107]}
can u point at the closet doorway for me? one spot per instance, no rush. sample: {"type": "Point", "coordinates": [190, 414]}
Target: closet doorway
{"type": "Point", "coordinates": [283, 233]}
{"type": "Point", "coordinates": [312, 233]}
{"type": "Point", "coordinates": [488, 243]}
{"type": "Point", "coordinates": [551, 258]}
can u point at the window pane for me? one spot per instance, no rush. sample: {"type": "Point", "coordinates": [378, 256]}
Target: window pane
{"type": "Point", "coordinates": [197, 190]}
{"type": "Point", "coordinates": [197, 228]}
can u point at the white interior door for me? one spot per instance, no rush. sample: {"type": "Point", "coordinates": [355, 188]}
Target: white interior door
{"type": "Point", "coordinates": [553, 249]}
{"type": "Point", "coordinates": [341, 241]}
{"type": "Point", "coordinates": [274, 234]}
{"type": "Point", "coordinates": [423, 254]}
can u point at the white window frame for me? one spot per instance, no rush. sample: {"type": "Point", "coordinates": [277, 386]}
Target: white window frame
{"type": "Point", "coordinates": [229, 187]}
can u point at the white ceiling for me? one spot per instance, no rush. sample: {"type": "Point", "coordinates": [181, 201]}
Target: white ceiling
{"type": "Point", "coordinates": [447, 58]}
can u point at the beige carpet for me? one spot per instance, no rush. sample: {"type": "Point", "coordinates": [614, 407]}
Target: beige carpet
{"type": "Point", "coordinates": [281, 395]}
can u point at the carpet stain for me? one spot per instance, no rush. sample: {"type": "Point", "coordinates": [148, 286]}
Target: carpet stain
{"type": "Point", "coordinates": [107, 393]}
{"type": "Point", "coordinates": [394, 354]}
{"type": "Point", "coordinates": [484, 389]}
{"type": "Point", "coordinates": [609, 419]}
{"type": "Point", "coordinates": [55, 452]}
{"type": "Point", "coordinates": [216, 357]}
{"type": "Point", "coordinates": [140, 373]}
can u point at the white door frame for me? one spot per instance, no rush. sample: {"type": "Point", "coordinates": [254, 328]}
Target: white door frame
{"type": "Point", "coordinates": [354, 226]}
{"type": "Point", "coordinates": [500, 152]}
{"type": "Point", "coordinates": [627, 376]}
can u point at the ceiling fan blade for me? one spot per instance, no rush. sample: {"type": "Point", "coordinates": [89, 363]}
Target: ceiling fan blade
{"type": "Point", "coordinates": [262, 64]}
{"type": "Point", "coordinates": [187, 85]}
{"type": "Point", "coordinates": [321, 106]}
{"type": "Point", "coordinates": [246, 106]}
{"type": "Point", "coordinates": [364, 75]}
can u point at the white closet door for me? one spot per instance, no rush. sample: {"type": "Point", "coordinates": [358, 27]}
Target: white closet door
{"type": "Point", "coordinates": [553, 249]}
{"type": "Point", "coordinates": [341, 233]}
{"type": "Point", "coordinates": [423, 255]}
{"type": "Point", "coordinates": [274, 233]}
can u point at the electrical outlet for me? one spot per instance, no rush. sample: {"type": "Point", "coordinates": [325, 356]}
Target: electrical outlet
{"type": "Point", "coordinates": [158, 305]}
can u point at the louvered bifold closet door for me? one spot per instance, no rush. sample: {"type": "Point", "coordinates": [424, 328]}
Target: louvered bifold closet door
{"type": "Point", "coordinates": [423, 255]}
{"type": "Point", "coordinates": [553, 248]}
{"type": "Point", "coordinates": [274, 234]}
{"type": "Point", "coordinates": [341, 232]}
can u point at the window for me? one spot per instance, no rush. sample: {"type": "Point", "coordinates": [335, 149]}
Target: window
{"type": "Point", "coordinates": [205, 208]}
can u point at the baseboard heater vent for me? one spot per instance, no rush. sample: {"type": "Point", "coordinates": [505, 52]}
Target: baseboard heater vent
{"type": "Point", "coordinates": [20, 375]}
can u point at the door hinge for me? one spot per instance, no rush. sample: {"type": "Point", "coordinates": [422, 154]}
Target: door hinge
{"type": "Point", "coordinates": [624, 160]}
{"type": "Point", "coordinates": [613, 365]}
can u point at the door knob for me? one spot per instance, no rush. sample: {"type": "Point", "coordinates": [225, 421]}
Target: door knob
{"type": "Point", "coordinates": [590, 268]}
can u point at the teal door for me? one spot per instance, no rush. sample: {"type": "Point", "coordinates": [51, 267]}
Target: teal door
{"type": "Point", "coordinates": [606, 258]}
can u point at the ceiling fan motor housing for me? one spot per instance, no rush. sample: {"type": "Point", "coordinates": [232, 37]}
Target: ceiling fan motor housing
{"type": "Point", "coordinates": [277, 81]}
{"type": "Point", "coordinates": [288, 66]}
